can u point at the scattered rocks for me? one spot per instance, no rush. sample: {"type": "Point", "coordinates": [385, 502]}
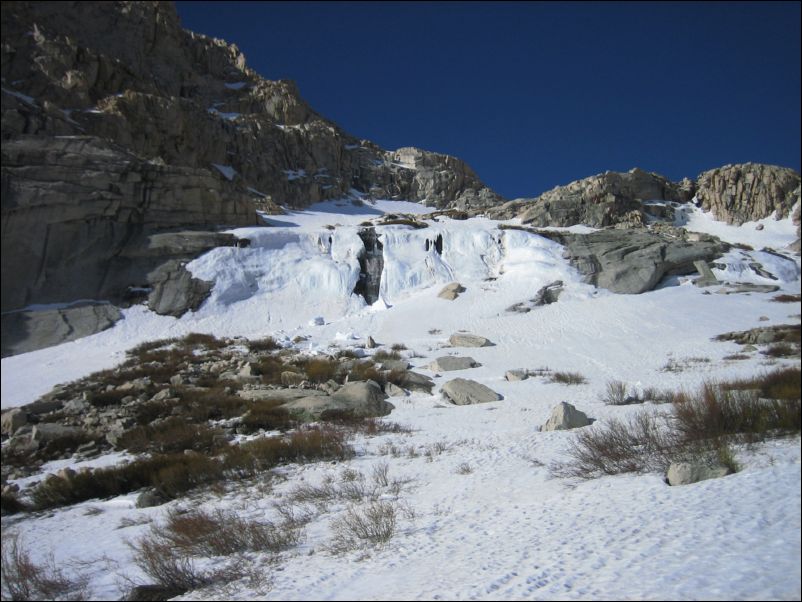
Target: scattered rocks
{"type": "Point", "coordinates": [747, 287]}
{"type": "Point", "coordinates": [685, 473]}
{"type": "Point", "coordinates": [545, 296]}
{"type": "Point", "coordinates": [461, 391]}
{"type": "Point", "coordinates": [565, 417]}
{"type": "Point", "coordinates": [151, 497]}
{"type": "Point", "coordinates": [463, 339]}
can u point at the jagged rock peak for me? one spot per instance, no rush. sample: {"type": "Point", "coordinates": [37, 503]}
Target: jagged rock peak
{"type": "Point", "coordinates": [748, 191]}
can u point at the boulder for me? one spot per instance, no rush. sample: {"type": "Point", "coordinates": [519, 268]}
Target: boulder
{"type": "Point", "coordinates": [414, 381]}
{"type": "Point", "coordinates": [363, 398]}
{"type": "Point", "coordinates": [515, 375]}
{"type": "Point", "coordinates": [292, 379]}
{"type": "Point", "coordinates": [262, 393]}
{"type": "Point", "coordinates": [151, 497]}
{"type": "Point", "coordinates": [685, 473]}
{"type": "Point", "coordinates": [461, 391]}
{"type": "Point", "coordinates": [451, 291]}
{"type": "Point", "coordinates": [706, 276]}
{"type": "Point", "coordinates": [636, 260]}
{"type": "Point", "coordinates": [395, 365]}
{"type": "Point", "coordinates": [450, 362]}
{"type": "Point", "coordinates": [45, 432]}
{"type": "Point", "coordinates": [394, 390]}
{"type": "Point", "coordinates": [13, 419]}
{"type": "Point", "coordinates": [464, 339]}
{"type": "Point", "coordinates": [564, 417]}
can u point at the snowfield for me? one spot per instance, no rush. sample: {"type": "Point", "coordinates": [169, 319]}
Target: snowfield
{"type": "Point", "coordinates": [484, 518]}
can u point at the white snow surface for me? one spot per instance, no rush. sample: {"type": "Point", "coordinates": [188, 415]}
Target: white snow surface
{"type": "Point", "coordinates": [489, 521]}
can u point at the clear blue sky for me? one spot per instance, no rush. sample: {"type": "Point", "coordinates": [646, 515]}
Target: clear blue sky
{"type": "Point", "coordinates": [533, 95]}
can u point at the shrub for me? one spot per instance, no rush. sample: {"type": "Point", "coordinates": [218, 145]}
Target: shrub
{"type": "Point", "coordinates": [270, 369]}
{"type": "Point", "coordinates": [781, 350]}
{"type": "Point", "coordinates": [222, 532]}
{"type": "Point", "coordinates": [320, 370]}
{"type": "Point", "coordinates": [372, 524]}
{"type": "Point", "coordinates": [213, 403]}
{"type": "Point", "coordinates": [567, 378]}
{"type": "Point", "coordinates": [398, 347]}
{"type": "Point", "coordinates": [638, 445]}
{"type": "Point", "coordinates": [23, 579]}
{"type": "Point", "coordinates": [11, 504]}
{"type": "Point", "coordinates": [382, 355]}
{"type": "Point", "coordinates": [784, 298]}
{"type": "Point", "coordinates": [785, 383]}
{"type": "Point", "coordinates": [197, 339]}
{"type": "Point", "coordinates": [103, 399]}
{"type": "Point", "coordinates": [268, 415]}
{"type": "Point", "coordinates": [264, 344]}
{"type": "Point", "coordinates": [362, 371]}
{"type": "Point", "coordinates": [169, 436]}
{"type": "Point", "coordinates": [615, 393]}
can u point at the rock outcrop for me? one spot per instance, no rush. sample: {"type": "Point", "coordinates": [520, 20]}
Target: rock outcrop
{"type": "Point", "coordinates": [748, 192]}
{"type": "Point", "coordinates": [462, 392]}
{"type": "Point", "coordinates": [118, 124]}
{"type": "Point", "coordinates": [635, 261]}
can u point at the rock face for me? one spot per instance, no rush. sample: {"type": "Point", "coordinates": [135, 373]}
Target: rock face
{"type": "Point", "coordinates": [602, 200]}
{"type": "Point", "coordinates": [461, 392]}
{"type": "Point", "coordinates": [748, 192]}
{"type": "Point", "coordinates": [118, 124]}
{"type": "Point", "coordinates": [634, 261]}
{"type": "Point", "coordinates": [25, 331]}
{"type": "Point", "coordinates": [371, 264]}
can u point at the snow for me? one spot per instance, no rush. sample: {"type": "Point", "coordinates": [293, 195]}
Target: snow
{"type": "Point", "coordinates": [775, 233]}
{"type": "Point", "coordinates": [505, 528]}
{"type": "Point", "coordinates": [227, 171]}
{"type": "Point", "coordinates": [295, 174]}
{"type": "Point", "coordinates": [236, 85]}
{"type": "Point", "coordinates": [226, 116]}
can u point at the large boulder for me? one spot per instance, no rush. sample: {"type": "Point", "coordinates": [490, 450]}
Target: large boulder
{"type": "Point", "coordinates": [461, 391]}
{"type": "Point", "coordinates": [451, 291]}
{"type": "Point", "coordinates": [685, 473]}
{"type": "Point", "coordinates": [564, 417]}
{"type": "Point", "coordinates": [414, 381]}
{"type": "Point", "coordinates": [358, 399]}
{"type": "Point", "coordinates": [464, 339]}
{"type": "Point", "coordinates": [13, 419]}
{"type": "Point", "coordinates": [450, 362]}
{"type": "Point", "coordinates": [634, 261]}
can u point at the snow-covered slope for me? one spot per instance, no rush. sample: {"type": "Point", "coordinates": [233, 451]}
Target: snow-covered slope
{"type": "Point", "coordinates": [487, 520]}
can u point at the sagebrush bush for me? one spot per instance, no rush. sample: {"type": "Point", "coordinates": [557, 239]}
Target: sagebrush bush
{"type": "Point", "coordinates": [268, 415]}
{"type": "Point", "coordinates": [169, 436]}
{"type": "Point", "coordinates": [567, 378]}
{"type": "Point", "coordinates": [615, 393]}
{"type": "Point", "coordinates": [24, 579]}
{"type": "Point", "coordinates": [373, 523]}
{"type": "Point", "coordinates": [320, 370]}
{"type": "Point", "coordinates": [264, 344]}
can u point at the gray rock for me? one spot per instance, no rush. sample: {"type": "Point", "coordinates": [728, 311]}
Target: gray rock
{"type": "Point", "coordinates": [748, 192]}
{"type": "Point", "coordinates": [76, 407]}
{"type": "Point", "coordinates": [548, 294]}
{"type": "Point", "coordinates": [461, 391]}
{"type": "Point", "coordinates": [45, 432]}
{"type": "Point", "coordinates": [450, 362]}
{"type": "Point", "coordinates": [747, 287]}
{"type": "Point", "coordinates": [359, 399]}
{"type": "Point", "coordinates": [175, 290]}
{"type": "Point", "coordinates": [370, 343]}
{"type": "Point", "coordinates": [685, 473]}
{"type": "Point", "coordinates": [451, 291]}
{"type": "Point", "coordinates": [262, 393]}
{"type": "Point", "coordinates": [601, 200]}
{"type": "Point", "coordinates": [414, 381]}
{"type": "Point", "coordinates": [564, 417]}
{"type": "Point", "coordinates": [151, 497]}
{"type": "Point", "coordinates": [13, 419]}
{"type": "Point", "coordinates": [515, 375]}
{"type": "Point", "coordinates": [463, 339]}
{"type": "Point", "coordinates": [24, 331]}
{"type": "Point", "coordinates": [394, 365]}
{"type": "Point", "coordinates": [394, 390]}
{"type": "Point", "coordinates": [706, 276]}
{"type": "Point", "coordinates": [636, 260]}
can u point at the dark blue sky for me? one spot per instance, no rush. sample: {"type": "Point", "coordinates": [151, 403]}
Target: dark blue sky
{"type": "Point", "coordinates": [533, 95]}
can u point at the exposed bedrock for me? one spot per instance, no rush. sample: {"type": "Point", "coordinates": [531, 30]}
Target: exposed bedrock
{"type": "Point", "coordinates": [371, 264]}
